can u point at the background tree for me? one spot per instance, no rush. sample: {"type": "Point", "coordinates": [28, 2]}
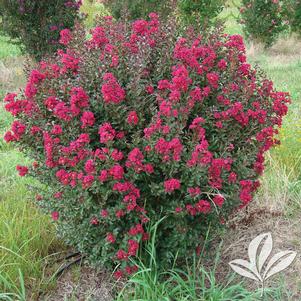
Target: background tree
{"type": "Point", "coordinates": [35, 24]}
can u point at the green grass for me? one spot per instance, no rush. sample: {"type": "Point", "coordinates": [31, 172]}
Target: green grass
{"type": "Point", "coordinates": [8, 49]}
{"type": "Point", "coordinates": [191, 283]}
{"type": "Point", "coordinates": [92, 9]}
{"type": "Point", "coordinates": [26, 236]}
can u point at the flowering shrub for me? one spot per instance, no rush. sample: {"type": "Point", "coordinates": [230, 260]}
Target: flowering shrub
{"type": "Point", "coordinates": [263, 21]}
{"type": "Point", "coordinates": [202, 12]}
{"type": "Point", "coordinates": [136, 123]}
{"type": "Point", "coordinates": [36, 25]}
{"type": "Point", "coordinates": [292, 12]}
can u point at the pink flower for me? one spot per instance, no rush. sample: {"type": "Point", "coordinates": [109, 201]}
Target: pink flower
{"type": "Point", "coordinates": [232, 177]}
{"type": "Point", "coordinates": [138, 229]}
{"type": "Point", "coordinates": [171, 185]}
{"type": "Point", "coordinates": [140, 27]}
{"type": "Point", "coordinates": [87, 119]}
{"type": "Point", "coordinates": [165, 108]}
{"type": "Point", "coordinates": [213, 79]}
{"type": "Point", "coordinates": [135, 158]}
{"type": "Point", "coordinates": [121, 255]}
{"type": "Point", "coordinates": [222, 64]}
{"type": "Point", "coordinates": [56, 130]}
{"type": "Point", "coordinates": [9, 137]}
{"type": "Point", "coordinates": [219, 200]}
{"type": "Point", "coordinates": [39, 197]}
{"type": "Point", "coordinates": [150, 89]}
{"type": "Point", "coordinates": [118, 274]}
{"type": "Point", "coordinates": [106, 133]}
{"type": "Point", "coordinates": [120, 213]}
{"type": "Point", "coordinates": [18, 128]}
{"type": "Point", "coordinates": [58, 195]}
{"type": "Point", "coordinates": [194, 191]}
{"type": "Point", "coordinates": [70, 63]}
{"type": "Point", "coordinates": [203, 206]}
{"type": "Point", "coordinates": [133, 247]}
{"type": "Point", "coordinates": [110, 238]}
{"type": "Point", "coordinates": [117, 172]}
{"type": "Point", "coordinates": [23, 170]}
{"type": "Point", "coordinates": [90, 166]}
{"type": "Point", "coordinates": [65, 36]}
{"type": "Point", "coordinates": [62, 111]}
{"type": "Point", "coordinates": [111, 90]}
{"type": "Point", "coordinates": [117, 155]}
{"type": "Point", "coordinates": [55, 215]}
{"type": "Point", "coordinates": [130, 270]}
{"type": "Point", "coordinates": [94, 221]}
{"type": "Point", "coordinates": [103, 176]}
{"type": "Point", "coordinates": [148, 168]}
{"type": "Point", "coordinates": [132, 118]}
{"type": "Point", "coordinates": [79, 100]}
{"type": "Point", "coordinates": [104, 213]}
{"type": "Point", "coordinates": [87, 181]}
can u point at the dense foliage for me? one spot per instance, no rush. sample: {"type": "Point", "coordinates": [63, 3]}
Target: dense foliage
{"type": "Point", "coordinates": [263, 20]}
{"type": "Point", "coordinates": [36, 25]}
{"type": "Point", "coordinates": [200, 12]}
{"type": "Point", "coordinates": [135, 123]}
{"type": "Point", "coordinates": [137, 9]}
{"type": "Point", "coordinates": [292, 12]}
{"type": "Point", "coordinates": [189, 11]}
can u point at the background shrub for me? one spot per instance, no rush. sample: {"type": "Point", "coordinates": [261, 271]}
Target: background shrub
{"type": "Point", "coordinates": [263, 20]}
{"type": "Point", "coordinates": [200, 12]}
{"type": "Point", "coordinates": [36, 25]}
{"type": "Point", "coordinates": [189, 11]}
{"type": "Point", "coordinates": [292, 12]}
{"type": "Point", "coordinates": [137, 9]}
{"type": "Point", "coordinates": [137, 123]}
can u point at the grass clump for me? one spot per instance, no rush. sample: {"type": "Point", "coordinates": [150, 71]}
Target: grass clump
{"type": "Point", "coordinates": [7, 49]}
{"type": "Point", "coordinates": [26, 236]}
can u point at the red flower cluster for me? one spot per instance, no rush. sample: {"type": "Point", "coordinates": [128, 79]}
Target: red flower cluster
{"type": "Point", "coordinates": [23, 170]}
{"type": "Point", "coordinates": [171, 185]}
{"type": "Point", "coordinates": [65, 36]}
{"type": "Point", "coordinates": [111, 90]}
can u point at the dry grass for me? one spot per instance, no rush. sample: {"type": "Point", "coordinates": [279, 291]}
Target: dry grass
{"type": "Point", "coordinates": [286, 235]}
{"type": "Point", "coordinates": [284, 52]}
{"type": "Point", "coordinates": [11, 74]}
{"type": "Point", "coordinates": [82, 283]}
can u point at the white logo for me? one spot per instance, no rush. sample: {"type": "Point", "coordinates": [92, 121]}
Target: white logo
{"type": "Point", "coordinates": [259, 268]}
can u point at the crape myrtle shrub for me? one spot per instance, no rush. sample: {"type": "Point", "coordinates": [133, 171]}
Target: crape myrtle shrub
{"type": "Point", "coordinates": [136, 123]}
{"type": "Point", "coordinates": [36, 25]}
{"type": "Point", "coordinates": [200, 12]}
{"type": "Point", "coordinates": [296, 21]}
{"type": "Point", "coordinates": [263, 20]}
{"type": "Point", "coordinates": [292, 12]}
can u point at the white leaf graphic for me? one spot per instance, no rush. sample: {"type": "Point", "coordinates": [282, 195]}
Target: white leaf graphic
{"type": "Point", "coordinates": [264, 254]}
{"type": "Point", "coordinates": [282, 259]}
{"type": "Point", "coordinates": [244, 268]}
{"type": "Point", "coordinates": [259, 251]}
{"type": "Point", "coordinates": [265, 251]}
